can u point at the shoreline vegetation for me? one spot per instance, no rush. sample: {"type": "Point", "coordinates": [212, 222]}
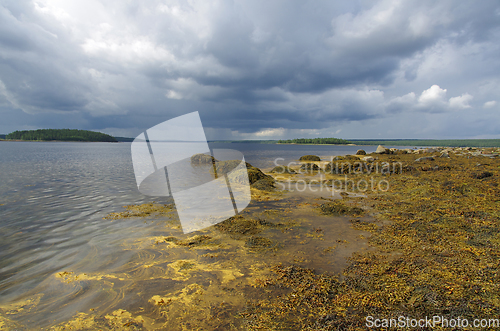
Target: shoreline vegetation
{"type": "Point", "coordinates": [59, 135]}
{"type": "Point", "coordinates": [428, 245]}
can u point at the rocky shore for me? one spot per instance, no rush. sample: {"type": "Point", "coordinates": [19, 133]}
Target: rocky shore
{"type": "Point", "coordinates": [323, 254]}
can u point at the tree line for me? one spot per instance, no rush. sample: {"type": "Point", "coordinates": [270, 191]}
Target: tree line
{"type": "Point", "coordinates": [61, 135]}
{"type": "Point", "coordinates": [318, 141]}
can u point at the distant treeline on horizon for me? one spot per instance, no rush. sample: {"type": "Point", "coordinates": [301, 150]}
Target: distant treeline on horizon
{"type": "Point", "coordinates": [389, 142]}
{"type": "Point", "coordinates": [60, 135]}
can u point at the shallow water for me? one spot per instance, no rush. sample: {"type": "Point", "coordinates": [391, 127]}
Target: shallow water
{"type": "Point", "coordinates": [53, 197]}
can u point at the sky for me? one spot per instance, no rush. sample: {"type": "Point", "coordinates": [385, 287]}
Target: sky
{"type": "Point", "coordinates": [253, 69]}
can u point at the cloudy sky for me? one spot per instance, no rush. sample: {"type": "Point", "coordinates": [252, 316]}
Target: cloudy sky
{"type": "Point", "coordinates": [253, 69]}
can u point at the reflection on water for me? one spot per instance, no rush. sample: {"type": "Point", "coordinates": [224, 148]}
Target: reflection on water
{"type": "Point", "coordinates": [59, 257]}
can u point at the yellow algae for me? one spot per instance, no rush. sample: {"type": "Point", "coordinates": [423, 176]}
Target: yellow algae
{"type": "Point", "coordinates": [144, 210]}
{"type": "Point", "coordinates": [70, 277]}
{"type": "Point", "coordinates": [81, 321]}
{"type": "Point", "coordinates": [437, 246]}
{"type": "Point", "coordinates": [22, 306]}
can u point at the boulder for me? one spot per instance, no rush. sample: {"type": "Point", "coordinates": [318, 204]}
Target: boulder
{"type": "Point", "coordinates": [309, 158]}
{"type": "Point", "coordinates": [367, 159]}
{"type": "Point", "coordinates": [360, 152]}
{"type": "Point", "coordinates": [254, 174]}
{"type": "Point", "coordinates": [382, 150]}
{"type": "Point", "coordinates": [444, 154]}
{"type": "Point", "coordinates": [309, 167]}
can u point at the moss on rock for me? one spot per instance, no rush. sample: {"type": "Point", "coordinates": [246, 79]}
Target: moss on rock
{"type": "Point", "coordinates": [310, 158]}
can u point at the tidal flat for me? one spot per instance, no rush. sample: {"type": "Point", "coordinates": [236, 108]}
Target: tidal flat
{"type": "Point", "coordinates": [320, 256]}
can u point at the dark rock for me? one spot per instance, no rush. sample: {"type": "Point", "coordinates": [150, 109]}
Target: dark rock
{"type": "Point", "coordinates": [309, 167]}
{"type": "Point", "coordinates": [484, 174]}
{"type": "Point", "coordinates": [254, 174]}
{"type": "Point", "coordinates": [360, 152]}
{"type": "Point", "coordinates": [425, 158]}
{"type": "Point", "coordinates": [310, 158]}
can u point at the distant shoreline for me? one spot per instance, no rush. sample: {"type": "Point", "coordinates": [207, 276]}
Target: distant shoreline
{"type": "Point", "coordinates": [58, 141]}
{"type": "Point", "coordinates": [389, 142]}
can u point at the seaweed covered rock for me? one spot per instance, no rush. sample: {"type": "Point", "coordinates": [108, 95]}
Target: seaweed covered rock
{"type": "Point", "coordinates": [282, 170]}
{"type": "Point", "coordinates": [308, 167]}
{"type": "Point", "coordinates": [198, 159]}
{"type": "Point", "coordinates": [264, 185]}
{"type": "Point", "coordinates": [256, 177]}
{"type": "Point", "coordinates": [238, 226]}
{"type": "Point", "coordinates": [360, 152]}
{"type": "Point", "coordinates": [309, 158]}
{"type": "Point", "coordinates": [338, 208]}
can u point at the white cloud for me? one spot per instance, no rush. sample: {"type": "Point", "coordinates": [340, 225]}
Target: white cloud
{"type": "Point", "coordinates": [432, 96]}
{"type": "Point", "coordinates": [490, 104]}
{"type": "Point", "coordinates": [461, 102]}
{"type": "Point", "coordinates": [270, 132]}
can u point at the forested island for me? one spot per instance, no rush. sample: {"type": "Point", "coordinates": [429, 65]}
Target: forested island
{"type": "Point", "coordinates": [60, 135]}
{"type": "Point", "coordinates": [315, 141]}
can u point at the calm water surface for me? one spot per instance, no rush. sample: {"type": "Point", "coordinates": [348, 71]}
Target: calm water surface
{"type": "Point", "coordinates": [53, 197]}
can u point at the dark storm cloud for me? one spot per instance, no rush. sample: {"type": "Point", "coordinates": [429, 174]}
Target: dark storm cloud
{"type": "Point", "coordinates": [246, 66]}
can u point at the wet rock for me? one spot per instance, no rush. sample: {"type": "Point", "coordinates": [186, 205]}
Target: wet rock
{"type": "Point", "coordinates": [382, 150]}
{"type": "Point", "coordinates": [254, 174]}
{"type": "Point", "coordinates": [310, 158]}
{"type": "Point", "coordinates": [360, 152]}
{"type": "Point", "coordinates": [308, 167]}
{"type": "Point", "coordinates": [198, 159]}
{"type": "Point", "coordinates": [425, 158]}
